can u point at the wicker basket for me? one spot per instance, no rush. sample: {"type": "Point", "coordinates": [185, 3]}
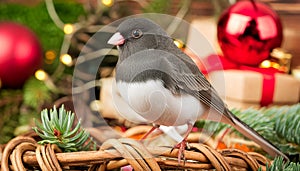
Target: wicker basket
{"type": "Point", "coordinates": [24, 153]}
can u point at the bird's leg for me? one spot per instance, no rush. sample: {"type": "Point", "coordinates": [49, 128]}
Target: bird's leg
{"type": "Point", "coordinates": [183, 144]}
{"type": "Point", "coordinates": [227, 131]}
{"type": "Point", "coordinates": [150, 131]}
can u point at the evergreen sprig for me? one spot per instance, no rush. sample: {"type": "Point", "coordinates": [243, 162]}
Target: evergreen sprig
{"type": "Point", "coordinates": [279, 164]}
{"type": "Point", "coordinates": [57, 129]}
{"type": "Point", "coordinates": [288, 125]}
{"type": "Point", "coordinates": [280, 125]}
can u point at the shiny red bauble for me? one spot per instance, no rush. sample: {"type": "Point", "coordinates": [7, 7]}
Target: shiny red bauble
{"type": "Point", "coordinates": [248, 31]}
{"type": "Point", "coordinates": [20, 54]}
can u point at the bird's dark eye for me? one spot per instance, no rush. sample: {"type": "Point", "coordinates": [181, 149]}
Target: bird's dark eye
{"type": "Point", "coordinates": [137, 33]}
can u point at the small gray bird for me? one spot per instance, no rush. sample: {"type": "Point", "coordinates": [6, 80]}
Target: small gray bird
{"type": "Point", "coordinates": [163, 85]}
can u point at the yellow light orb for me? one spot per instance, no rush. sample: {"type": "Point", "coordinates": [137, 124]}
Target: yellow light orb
{"type": "Point", "coordinates": [265, 64]}
{"type": "Point", "coordinates": [68, 28]}
{"type": "Point", "coordinates": [96, 105]}
{"type": "Point", "coordinates": [178, 43]}
{"type": "Point", "coordinates": [66, 59]}
{"type": "Point", "coordinates": [50, 55]}
{"type": "Point", "coordinates": [108, 3]}
{"type": "Point", "coordinates": [41, 75]}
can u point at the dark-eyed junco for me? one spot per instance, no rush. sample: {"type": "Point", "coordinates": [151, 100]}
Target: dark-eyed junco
{"type": "Point", "coordinates": [164, 86]}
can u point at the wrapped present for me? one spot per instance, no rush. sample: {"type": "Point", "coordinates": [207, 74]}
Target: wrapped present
{"type": "Point", "coordinates": [246, 88]}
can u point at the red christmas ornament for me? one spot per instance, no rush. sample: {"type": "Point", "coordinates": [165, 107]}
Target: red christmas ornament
{"type": "Point", "coordinates": [248, 31]}
{"type": "Point", "coordinates": [20, 54]}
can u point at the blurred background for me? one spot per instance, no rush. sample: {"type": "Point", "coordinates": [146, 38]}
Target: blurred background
{"type": "Point", "coordinates": [40, 42]}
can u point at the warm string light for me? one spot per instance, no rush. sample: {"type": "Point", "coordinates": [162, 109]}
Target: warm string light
{"type": "Point", "coordinates": [41, 75]}
{"type": "Point", "coordinates": [108, 3]}
{"type": "Point", "coordinates": [68, 28]}
{"type": "Point", "coordinates": [269, 64]}
{"type": "Point", "coordinates": [66, 59]}
{"type": "Point", "coordinates": [50, 55]}
{"type": "Point", "coordinates": [265, 64]}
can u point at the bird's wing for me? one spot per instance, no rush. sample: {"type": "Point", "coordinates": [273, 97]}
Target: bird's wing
{"type": "Point", "coordinates": [199, 86]}
{"type": "Point", "coordinates": [188, 78]}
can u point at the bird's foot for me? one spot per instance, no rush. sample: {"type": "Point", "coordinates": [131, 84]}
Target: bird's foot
{"type": "Point", "coordinates": [155, 127]}
{"type": "Point", "coordinates": [181, 147]}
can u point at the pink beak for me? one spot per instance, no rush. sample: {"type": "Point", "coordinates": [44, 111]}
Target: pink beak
{"type": "Point", "coordinates": [117, 39]}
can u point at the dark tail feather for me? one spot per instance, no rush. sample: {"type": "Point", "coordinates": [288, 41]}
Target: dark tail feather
{"type": "Point", "coordinates": [254, 136]}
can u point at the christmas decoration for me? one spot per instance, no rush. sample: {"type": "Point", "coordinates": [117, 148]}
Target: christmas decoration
{"type": "Point", "coordinates": [63, 35]}
{"type": "Point", "coordinates": [246, 88]}
{"type": "Point", "coordinates": [19, 106]}
{"type": "Point", "coordinates": [258, 86]}
{"type": "Point", "coordinates": [248, 31]}
{"type": "Point", "coordinates": [20, 55]}
{"type": "Point", "coordinates": [279, 59]}
{"type": "Point", "coordinates": [58, 130]}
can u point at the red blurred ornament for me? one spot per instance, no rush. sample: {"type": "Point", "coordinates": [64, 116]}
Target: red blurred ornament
{"type": "Point", "coordinates": [248, 31]}
{"type": "Point", "coordinates": [20, 54]}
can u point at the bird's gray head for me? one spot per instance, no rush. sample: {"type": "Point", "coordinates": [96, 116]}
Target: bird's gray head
{"type": "Point", "coordinates": [136, 34]}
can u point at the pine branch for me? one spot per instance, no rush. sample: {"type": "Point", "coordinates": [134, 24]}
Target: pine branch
{"type": "Point", "coordinates": [288, 125]}
{"type": "Point", "coordinates": [280, 125]}
{"type": "Point", "coordinates": [57, 129]}
{"type": "Point", "coordinates": [279, 164]}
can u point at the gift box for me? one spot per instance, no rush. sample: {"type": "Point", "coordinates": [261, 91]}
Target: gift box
{"type": "Point", "coordinates": [244, 89]}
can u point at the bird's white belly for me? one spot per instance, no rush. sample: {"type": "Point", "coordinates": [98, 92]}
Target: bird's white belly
{"type": "Point", "coordinates": [157, 104]}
